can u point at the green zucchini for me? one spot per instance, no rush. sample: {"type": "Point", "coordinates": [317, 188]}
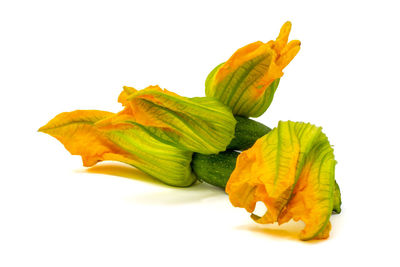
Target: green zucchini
{"type": "Point", "coordinates": [215, 169]}
{"type": "Point", "coordinates": [247, 132]}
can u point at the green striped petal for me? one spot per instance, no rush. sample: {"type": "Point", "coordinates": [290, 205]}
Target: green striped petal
{"type": "Point", "coordinates": [243, 90]}
{"type": "Point", "coordinates": [292, 170]}
{"type": "Point", "coordinates": [248, 80]}
{"type": "Point", "coordinates": [200, 124]}
{"type": "Point", "coordinates": [80, 135]}
{"type": "Point", "coordinates": [167, 163]}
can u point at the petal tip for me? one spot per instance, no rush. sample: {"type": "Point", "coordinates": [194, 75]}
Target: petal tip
{"type": "Point", "coordinates": [42, 129]}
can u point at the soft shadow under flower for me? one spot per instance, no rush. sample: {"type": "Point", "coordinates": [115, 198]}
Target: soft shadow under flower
{"type": "Point", "coordinates": [289, 231]}
{"type": "Point", "coordinates": [124, 171]}
{"type": "Point", "coordinates": [170, 195]}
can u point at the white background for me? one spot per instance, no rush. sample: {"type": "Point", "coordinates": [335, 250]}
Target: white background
{"type": "Point", "coordinates": [60, 56]}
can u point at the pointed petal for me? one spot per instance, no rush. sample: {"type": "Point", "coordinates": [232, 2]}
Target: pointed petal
{"type": "Point", "coordinates": [80, 135]}
{"type": "Point", "coordinates": [76, 131]}
{"type": "Point", "coordinates": [283, 36]}
{"type": "Point", "coordinates": [288, 53]}
{"type": "Point", "coordinates": [124, 95]}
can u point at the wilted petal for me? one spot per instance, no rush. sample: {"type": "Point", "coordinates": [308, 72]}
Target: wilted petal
{"type": "Point", "coordinates": [266, 172]}
{"type": "Point", "coordinates": [291, 170]}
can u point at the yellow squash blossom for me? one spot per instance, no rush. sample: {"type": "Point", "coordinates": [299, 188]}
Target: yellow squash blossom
{"type": "Point", "coordinates": [248, 80]}
{"type": "Point", "coordinates": [200, 124]}
{"type": "Point", "coordinates": [157, 132]}
{"type": "Point", "coordinates": [78, 133]}
{"type": "Point", "coordinates": [292, 171]}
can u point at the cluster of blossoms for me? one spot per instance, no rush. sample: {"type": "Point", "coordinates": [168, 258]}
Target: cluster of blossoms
{"type": "Point", "coordinates": [291, 168]}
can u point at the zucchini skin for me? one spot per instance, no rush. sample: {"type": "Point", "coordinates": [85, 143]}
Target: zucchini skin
{"type": "Point", "coordinates": [215, 169]}
{"type": "Point", "coordinates": [247, 131]}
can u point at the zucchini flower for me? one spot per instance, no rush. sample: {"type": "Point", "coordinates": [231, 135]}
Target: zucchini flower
{"type": "Point", "coordinates": [292, 171]}
{"type": "Point", "coordinates": [78, 132]}
{"type": "Point", "coordinates": [200, 124]}
{"type": "Point", "coordinates": [153, 133]}
{"type": "Point", "coordinates": [248, 80]}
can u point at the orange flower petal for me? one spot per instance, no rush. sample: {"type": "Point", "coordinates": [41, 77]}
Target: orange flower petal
{"type": "Point", "coordinates": [283, 37]}
{"type": "Point", "coordinates": [248, 80]}
{"type": "Point", "coordinates": [266, 172]}
{"type": "Point", "coordinates": [80, 135]}
{"type": "Point", "coordinates": [199, 124]}
{"type": "Point", "coordinates": [291, 170]}
{"type": "Point", "coordinates": [76, 131]}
